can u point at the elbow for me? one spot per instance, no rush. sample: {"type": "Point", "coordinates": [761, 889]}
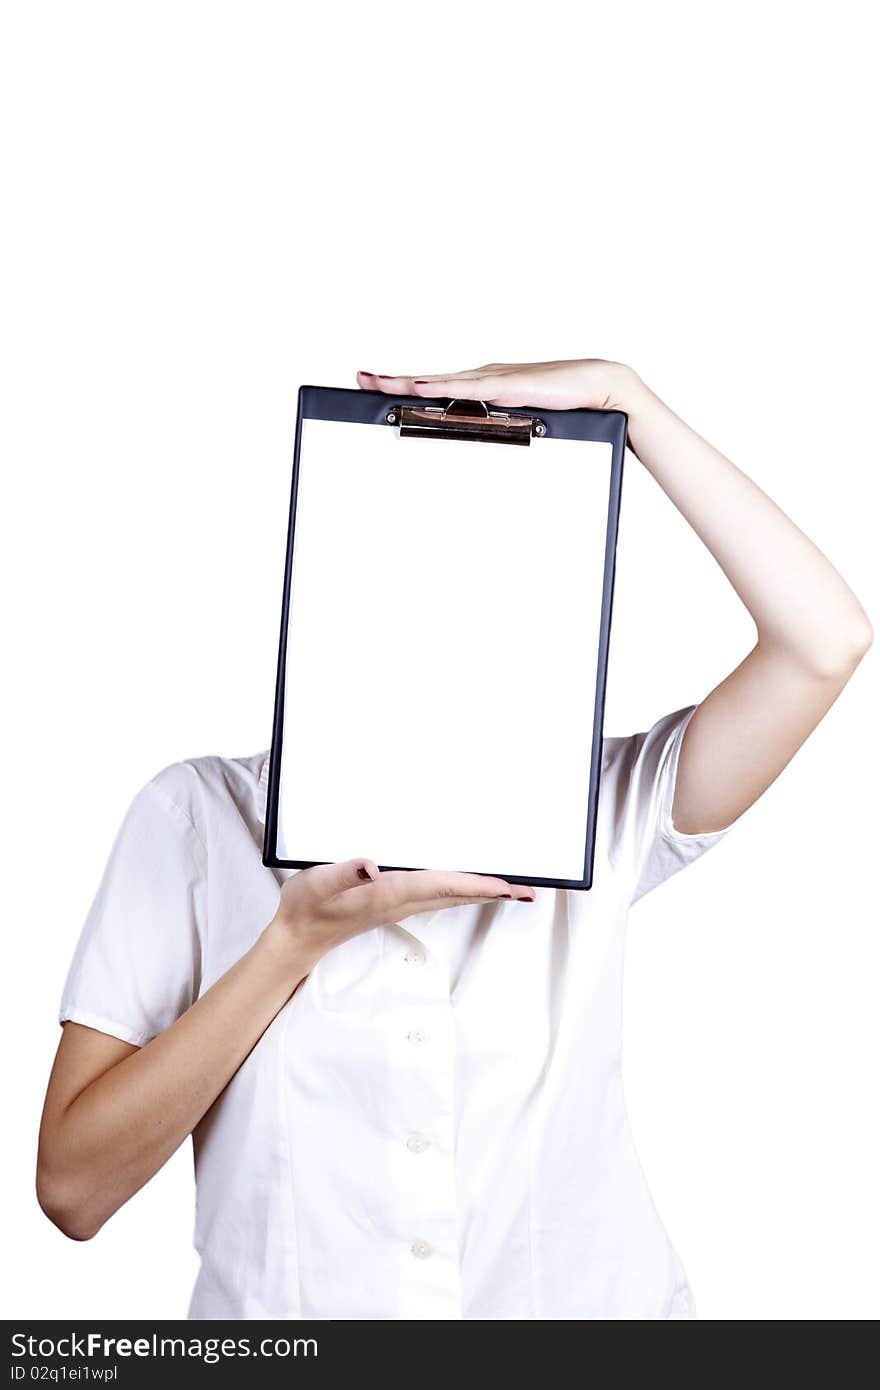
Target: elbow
{"type": "Point", "coordinates": [66, 1208]}
{"type": "Point", "coordinates": [836, 658]}
{"type": "Point", "coordinates": [865, 637]}
{"type": "Point", "coordinates": [858, 642]}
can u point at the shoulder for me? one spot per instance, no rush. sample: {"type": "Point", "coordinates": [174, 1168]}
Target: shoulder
{"type": "Point", "coordinates": [637, 777]}
{"type": "Point", "coordinates": [621, 753]}
{"type": "Point", "coordinates": [199, 790]}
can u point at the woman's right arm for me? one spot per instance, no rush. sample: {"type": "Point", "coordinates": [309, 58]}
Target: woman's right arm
{"type": "Point", "coordinates": [114, 1113]}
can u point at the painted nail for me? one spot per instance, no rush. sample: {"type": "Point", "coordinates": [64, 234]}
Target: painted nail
{"type": "Point", "coordinates": [364, 873]}
{"type": "Point", "coordinates": [420, 381]}
{"type": "Point", "coordinates": [525, 900]}
{"type": "Point", "coordinates": [504, 895]}
{"type": "Point", "coordinates": [383, 376]}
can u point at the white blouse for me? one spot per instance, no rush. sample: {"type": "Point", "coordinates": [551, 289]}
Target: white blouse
{"type": "Point", "coordinates": [434, 1125]}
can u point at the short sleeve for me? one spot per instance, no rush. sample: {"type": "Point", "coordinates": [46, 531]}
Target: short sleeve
{"type": "Point", "coordinates": [658, 848]}
{"type": "Point", "coordinates": [137, 963]}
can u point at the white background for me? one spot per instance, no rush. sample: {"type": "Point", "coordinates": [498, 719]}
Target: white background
{"type": "Point", "coordinates": [207, 204]}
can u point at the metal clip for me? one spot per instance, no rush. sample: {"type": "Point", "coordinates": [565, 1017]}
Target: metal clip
{"type": "Point", "coordinates": [464, 420]}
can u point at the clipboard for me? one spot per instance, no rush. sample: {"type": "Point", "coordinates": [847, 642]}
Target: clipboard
{"type": "Point", "coordinates": [445, 623]}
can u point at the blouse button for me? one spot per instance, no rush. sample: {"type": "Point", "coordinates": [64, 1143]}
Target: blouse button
{"type": "Point", "coordinates": [417, 1143]}
{"type": "Point", "coordinates": [415, 956]}
{"type": "Point", "coordinates": [421, 1249]}
{"type": "Point", "coordinates": [416, 1036]}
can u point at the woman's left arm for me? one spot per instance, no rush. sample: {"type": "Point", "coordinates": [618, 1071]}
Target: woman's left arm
{"type": "Point", "coordinates": [812, 631]}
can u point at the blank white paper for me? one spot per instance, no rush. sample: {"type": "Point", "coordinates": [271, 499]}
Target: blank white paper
{"type": "Point", "coordinates": [442, 651]}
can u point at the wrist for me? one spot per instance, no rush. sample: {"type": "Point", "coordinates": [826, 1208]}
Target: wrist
{"type": "Point", "coordinates": [290, 956]}
{"type": "Point", "coordinates": [625, 389]}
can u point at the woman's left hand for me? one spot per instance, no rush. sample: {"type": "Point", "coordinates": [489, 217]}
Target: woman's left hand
{"type": "Point", "coordinates": [554, 385]}
{"type": "Point", "coordinates": [806, 650]}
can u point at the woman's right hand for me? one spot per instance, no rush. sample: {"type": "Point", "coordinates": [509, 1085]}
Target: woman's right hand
{"type": "Point", "coordinates": [115, 1112]}
{"type": "Point", "coordinates": [323, 906]}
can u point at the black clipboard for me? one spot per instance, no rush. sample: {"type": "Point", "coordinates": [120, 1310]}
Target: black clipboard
{"type": "Point", "coordinates": [349, 541]}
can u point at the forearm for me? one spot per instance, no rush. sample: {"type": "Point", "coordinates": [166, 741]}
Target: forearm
{"type": "Point", "coordinates": [800, 604]}
{"type": "Point", "coordinates": [115, 1135]}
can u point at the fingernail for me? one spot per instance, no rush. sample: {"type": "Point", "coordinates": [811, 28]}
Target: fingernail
{"type": "Point", "coordinates": [525, 900]}
{"type": "Point", "coordinates": [504, 895]}
{"type": "Point", "coordinates": [420, 381]}
{"type": "Point", "coordinates": [383, 376]}
{"type": "Point", "coordinates": [364, 873]}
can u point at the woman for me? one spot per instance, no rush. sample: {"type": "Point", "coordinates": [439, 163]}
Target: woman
{"type": "Point", "coordinates": [404, 1087]}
